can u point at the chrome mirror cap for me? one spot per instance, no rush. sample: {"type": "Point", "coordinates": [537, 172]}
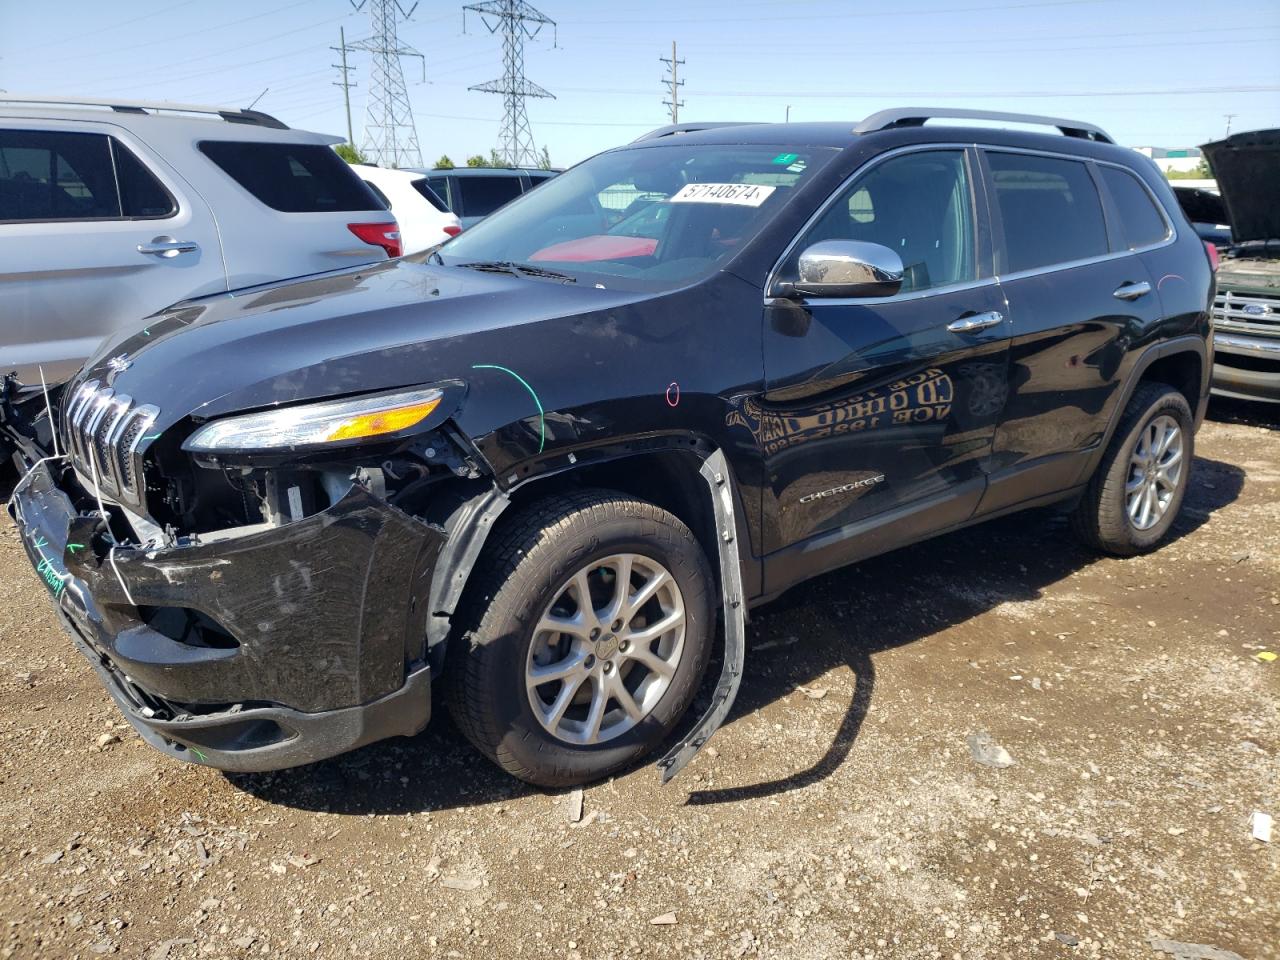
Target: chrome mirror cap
{"type": "Point", "coordinates": [849, 268]}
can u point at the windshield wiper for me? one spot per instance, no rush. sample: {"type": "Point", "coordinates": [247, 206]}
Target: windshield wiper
{"type": "Point", "coordinates": [519, 270]}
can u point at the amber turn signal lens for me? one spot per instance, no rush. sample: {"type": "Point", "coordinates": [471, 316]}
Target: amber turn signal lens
{"type": "Point", "coordinates": [383, 421]}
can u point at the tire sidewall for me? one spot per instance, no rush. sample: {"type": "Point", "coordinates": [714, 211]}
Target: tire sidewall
{"type": "Point", "coordinates": [519, 605]}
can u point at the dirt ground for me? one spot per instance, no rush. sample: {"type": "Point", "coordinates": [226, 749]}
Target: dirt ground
{"type": "Point", "coordinates": [840, 812]}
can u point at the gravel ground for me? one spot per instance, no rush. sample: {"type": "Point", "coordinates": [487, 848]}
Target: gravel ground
{"type": "Point", "coordinates": [840, 813]}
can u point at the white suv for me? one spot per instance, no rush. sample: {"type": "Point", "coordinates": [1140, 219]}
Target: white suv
{"type": "Point", "coordinates": [424, 219]}
{"type": "Point", "coordinates": [110, 211]}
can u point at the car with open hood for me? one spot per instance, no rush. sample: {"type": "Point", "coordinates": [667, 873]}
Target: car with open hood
{"type": "Point", "coordinates": [1246, 313]}
{"type": "Point", "coordinates": [545, 463]}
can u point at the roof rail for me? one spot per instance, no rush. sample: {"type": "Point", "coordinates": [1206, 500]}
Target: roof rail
{"type": "Point", "coordinates": [916, 116]}
{"type": "Point", "coordinates": [672, 129]}
{"type": "Point", "coordinates": [230, 114]}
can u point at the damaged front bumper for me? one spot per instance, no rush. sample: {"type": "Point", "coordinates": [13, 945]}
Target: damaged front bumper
{"type": "Point", "coordinates": [270, 650]}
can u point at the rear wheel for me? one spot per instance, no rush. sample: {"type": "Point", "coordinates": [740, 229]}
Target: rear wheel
{"type": "Point", "coordinates": [1135, 495]}
{"type": "Point", "coordinates": [588, 631]}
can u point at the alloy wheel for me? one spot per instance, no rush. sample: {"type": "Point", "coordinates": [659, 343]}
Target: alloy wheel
{"type": "Point", "coordinates": [1155, 470]}
{"type": "Point", "coordinates": [606, 649]}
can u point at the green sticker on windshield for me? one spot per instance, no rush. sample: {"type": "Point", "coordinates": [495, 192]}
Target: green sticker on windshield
{"type": "Point", "coordinates": [783, 159]}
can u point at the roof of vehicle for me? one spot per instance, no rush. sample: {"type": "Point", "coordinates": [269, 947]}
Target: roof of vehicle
{"type": "Point", "coordinates": [371, 171]}
{"type": "Point", "coordinates": [210, 122]}
{"type": "Point", "coordinates": [845, 134]}
{"type": "Point", "coordinates": [489, 172]}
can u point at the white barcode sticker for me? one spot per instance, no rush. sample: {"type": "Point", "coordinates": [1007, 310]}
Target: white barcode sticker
{"type": "Point", "coordinates": [738, 194]}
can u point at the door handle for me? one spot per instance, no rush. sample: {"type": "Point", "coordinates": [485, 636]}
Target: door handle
{"type": "Point", "coordinates": [1132, 291]}
{"type": "Point", "coordinates": [976, 321]}
{"type": "Point", "coordinates": [167, 247]}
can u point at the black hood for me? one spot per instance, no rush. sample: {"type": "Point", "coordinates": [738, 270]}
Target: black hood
{"type": "Point", "coordinates": [1247, 168]}
{"type": "Point", "coordinates": [378, 327]}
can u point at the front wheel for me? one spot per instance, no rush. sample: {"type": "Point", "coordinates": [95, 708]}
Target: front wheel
{"type": "Point", "coordinates": [1138, 489]}
{"type": "Point", "coordinates": [587, 633]}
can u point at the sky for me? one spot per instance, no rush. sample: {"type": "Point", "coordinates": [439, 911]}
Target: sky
{"type": "Point", "coordinates": [1150, 73]}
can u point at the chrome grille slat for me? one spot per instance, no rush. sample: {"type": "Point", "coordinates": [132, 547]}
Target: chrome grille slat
{"type": "Point", "coordinates": [103, 433]}
{"type": "Point", "coordinates": [1231, 312]}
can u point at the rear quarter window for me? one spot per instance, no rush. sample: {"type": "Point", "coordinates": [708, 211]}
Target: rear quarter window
{"type": "Point", "coordinates": [293, 177]}
{"type": "Point", "coordinates": [1140, 220]}
{"type": "Point", "coordinates": [1049, 208]}
{"type": "Point", "coordinates": [429, 195]}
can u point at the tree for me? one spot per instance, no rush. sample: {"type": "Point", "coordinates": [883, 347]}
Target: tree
{"type": "Point", "coordinates": [349, 153]}
{"type": "Point", "coordinates": [544, 162]}
{"type": "Point", "coordinates": [495, 160]}
{"type": "Point", "coordinates": [444, 163]}
{"type": "Point", "coordinates": [477, 161]}
{"type": "Point", "coordinates": [1200, 172]}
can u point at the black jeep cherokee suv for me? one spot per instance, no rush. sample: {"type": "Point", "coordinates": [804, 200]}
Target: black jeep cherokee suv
{"type": "Point", "coordinates": [543, 461]}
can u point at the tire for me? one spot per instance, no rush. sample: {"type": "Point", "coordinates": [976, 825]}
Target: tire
{"type": "Point", "coordinates": [529, 573]}
{"type": "Point", "coordinates": [1104, 519]}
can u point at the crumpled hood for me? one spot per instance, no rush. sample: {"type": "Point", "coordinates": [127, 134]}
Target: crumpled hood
{"type": "Point", "coordinates": [1247, 168]}
{"type": "Point", "coordinates": [377, 327]}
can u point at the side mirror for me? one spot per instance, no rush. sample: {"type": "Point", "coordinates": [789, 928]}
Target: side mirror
{"type": "Point", "coordinates": [848, 268]}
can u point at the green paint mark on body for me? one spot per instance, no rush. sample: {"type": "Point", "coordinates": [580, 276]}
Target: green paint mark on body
{"type": "Point", "coordinates": [542, 416]}
{"type": "Point", "coordinates": [75, 547]}
{"type": "Point", "coordinates": [154, 436]}
{"type": "Point", "coordinates": [198, 753]}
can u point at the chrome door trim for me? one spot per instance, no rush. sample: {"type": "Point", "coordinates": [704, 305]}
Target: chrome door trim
{"type": "Point", "coordinates": [1132, 291]}
{"type": "Point", "coordinates": [976, 322]}
{"type": "Point", "coordinates": [1171, 238]}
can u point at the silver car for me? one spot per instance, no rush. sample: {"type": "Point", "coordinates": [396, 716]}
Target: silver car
{"type": "Point", "coordinates": [110, 211]}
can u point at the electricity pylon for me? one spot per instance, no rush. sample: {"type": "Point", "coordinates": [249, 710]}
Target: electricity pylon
{"type": "Point", "coordinates": [390, 136]}
{"type": "Point", "coordinates": [673, 83]}
{"type": "Point", "coordinates": [518, 21]}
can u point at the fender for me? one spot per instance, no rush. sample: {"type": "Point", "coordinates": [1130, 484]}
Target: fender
{"type": "Point", "coordinates": [471, 521]}
{"type": "Point", "coordinates": [1191, 343]}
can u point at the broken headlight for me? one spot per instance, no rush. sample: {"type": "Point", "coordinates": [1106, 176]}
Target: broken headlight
{"type": "Point", "coordinates": [330, 423]}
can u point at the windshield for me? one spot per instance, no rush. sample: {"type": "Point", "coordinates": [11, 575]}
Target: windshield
{"type": "Point", "coordinates": [645, 218]}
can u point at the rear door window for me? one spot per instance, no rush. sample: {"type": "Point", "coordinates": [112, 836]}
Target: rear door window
{"type": "Point", "coordinates": [48, 175]}
{"type": "Point", "coordinates": [1141, 222]}
{"type": "Point", "coordinates": [1050, 210]}
{"type": "Point", "coordinates": [53, 175]}
{"type": "Point", "coordinates": [293, 177]}
{"type": "Point", "coordinates": [483, 195]}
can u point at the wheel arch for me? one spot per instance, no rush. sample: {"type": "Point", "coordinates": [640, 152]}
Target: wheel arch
{"type": "Point", "coordinates": [1182, 362]}
{"type": "Point", "coordinates": [688, 477]}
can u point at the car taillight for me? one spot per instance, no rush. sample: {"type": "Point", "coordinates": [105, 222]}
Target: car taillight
{"type": "Point", "coordinates": [452, 230]}
{"type": "Point", "coordinates": [384, 235]}
{"type": "Point", "coordinates": [1210, 249]}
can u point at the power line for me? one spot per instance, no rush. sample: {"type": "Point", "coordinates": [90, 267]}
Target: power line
{"type": "Point", "coordinates": [1006, 44]}
{"type": "Point", "coordinates": [862, 14]}
{"type": "Point", "coordinates": [940, 95]}
{"type": "Point", "coordinates": [390, 137]}
{"type": "Point", "coordinates": [518, 21]}
{"type": "Point", "coordinates": [152, 43]}
{"type": "Point", "coordinates": [673, 83]}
